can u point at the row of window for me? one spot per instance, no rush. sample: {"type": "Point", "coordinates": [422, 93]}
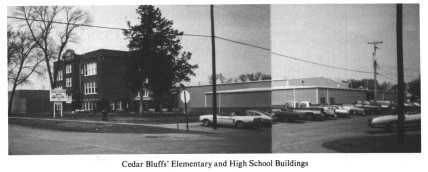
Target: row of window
{"type": "Point", "coordinates": [88, 70]}
{"type": "Point", "coordinates": [323, 100]}
{"type": "Point", "coordinates": [68, 68]}
{"type": "Point", "coordinates": [68, 82]}
{"type": "Point", "coordinates": [91, 105]}
{"type": "Point", "coordinates": [117, 107]}
{"type": "Point", "coordinates": [146, 93]}
{"type": "Point", "coordinates": [89, 88]}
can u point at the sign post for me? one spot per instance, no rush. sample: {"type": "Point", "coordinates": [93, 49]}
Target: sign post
{"type": "Point", "coordinates": [57, 96]}
{"type": "Point", "coordinates": [175, 92]}
{"type": "Point", "coordinates": [185, 97]}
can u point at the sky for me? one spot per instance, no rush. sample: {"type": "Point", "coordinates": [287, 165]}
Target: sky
{"type": "Point", "coordinates": [335, 35]}
{"type": "Point", "coordinates": [338, 35]}
{"type": "Point", "coordinates": [244, 23]}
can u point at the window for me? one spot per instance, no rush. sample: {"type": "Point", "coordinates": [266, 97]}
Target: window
{"type": "Point", "coordinates": [68, 82]}
{"type": "Point", "coordinates": [90, 69]}
{"type": "Point", "coordinates": [257, 114]}
{"type": "Point", "coordinates": [68, 68]}
{"type": "Point", "coordinates": [88, 105]}
{"type": "Point", "coordinates": [112, 106]}
{"type": "Point", "coordinates": [89, 88]}
{"type": "Point", "coordinates": [331, 100]}
{"type": "Point", "coordinates": [59, 78]}
{"type": "Point", "coordinates": [119, 105]}
{"type": "Point", "coordinates": [322, 100]}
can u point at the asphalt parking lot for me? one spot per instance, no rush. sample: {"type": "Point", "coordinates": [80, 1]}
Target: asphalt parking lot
{"type": "Point", "coordinates": [308, 136]}
{"type": "Point", "coordinates": [296, 137]}
{"type": "Point", "coordinates": [33, 141]}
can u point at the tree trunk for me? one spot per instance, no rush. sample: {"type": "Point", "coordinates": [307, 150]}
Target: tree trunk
{"type": "Point", "coordinates": [9, 111]}
{"type": "Point", "coordinates": [15, 83]}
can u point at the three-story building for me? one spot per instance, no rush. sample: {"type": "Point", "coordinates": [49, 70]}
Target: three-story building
{"type": "Point", "coordinates": [97, 80]}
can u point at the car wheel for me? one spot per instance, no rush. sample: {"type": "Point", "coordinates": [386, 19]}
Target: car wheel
{"type": "Point", "coordinates": [240, 125]}
{"type": "Point", "coordinates": [206, 123]}
{"type": "Point", "coordinates": [392, 127]}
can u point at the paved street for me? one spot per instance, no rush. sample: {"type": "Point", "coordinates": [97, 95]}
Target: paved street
{"type": "Point", "coordinates": [30, 141]}
{"type": "Point", "coordinates": [298, 137]}
{"type": "Point", "coordinates": [307, 136]}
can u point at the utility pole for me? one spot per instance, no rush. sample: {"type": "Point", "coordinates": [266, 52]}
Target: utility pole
{"type": "Point", "coordinates": [214, 78]}
{"type": "Point", "coordinates": [375, 66]}
{"type": "Point", "coordinates": [400, 124]}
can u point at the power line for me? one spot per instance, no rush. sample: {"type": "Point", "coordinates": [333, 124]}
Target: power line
{"type": "Point", "coordinates": [320, 64]}
{"type": "Point", "coordinates": [294, 58]}
{"type": "Point", "coordinates": [225, 39]}
{"type": "Point", "coordinates": [387, 77]}
{"type": "Point", "coordinates": [255, 46]}
{"type": "Point", "coordinates": [57, 22]}
{"type": "Point", "coordinates": [195, 35]}
{"type": "Point", "coordinates": [94, 26]}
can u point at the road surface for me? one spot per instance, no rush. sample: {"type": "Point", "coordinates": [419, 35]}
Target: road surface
{"type": "Point", "coordinates": [307, 136]}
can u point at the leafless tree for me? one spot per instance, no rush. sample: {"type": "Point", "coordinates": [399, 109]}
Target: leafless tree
{"type": "Point", "coordinates": [23, 59]}
{"type": "Point", "coordinates": [41, 21]}
{"type": "Point", "coordinates": [220, 77]}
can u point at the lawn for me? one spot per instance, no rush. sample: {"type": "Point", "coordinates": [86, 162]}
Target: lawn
{"type": "Point", "coordinates": [94, 127]}
{"type": "Point", "coordinates": [146, 118]}
{"type": "Point", "coordinates": [376, 144]}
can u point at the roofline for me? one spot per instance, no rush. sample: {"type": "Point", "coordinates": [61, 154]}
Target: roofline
{"type": "Point", "coordinates": [265, 81]}
{"type": "Point", "coordinates": [105, 50]}
{"type": "Point", "coordinates": [233, 83]}
{"type": "Point", "coordinates": [289, 88]}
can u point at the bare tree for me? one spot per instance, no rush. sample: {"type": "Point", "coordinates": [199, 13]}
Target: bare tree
{"type": "Point", "coordinates": [40, 22]}
{"type": "Point", "coordinates": [220, 77]}
{"type": "Point", "coordinates": [23, 60]}
{"type": "Point", "coordinates": [253, 77]}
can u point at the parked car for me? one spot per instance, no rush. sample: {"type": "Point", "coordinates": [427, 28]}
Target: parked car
{"type": "Point", "coordinates": [340, 111]}
{"type": "Point", "coordinates": [266, 119]}
{"type": "Point", "coordinates": [389, 122]}
{"type": "Point", "coordinates": [239, 119]}
{"type": "Point", "coordinates": [286, 115]}
{"type": "Point", "coordinates": [370, 109]}
{"type": "Point", "coordinates": [354, 110]}
{"type": "Point", "coordinates": [305, 110]}
{"type": "Point", "coordinates": [272, 113]}
{"type": "Point", "coordinates": [329, 110]}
